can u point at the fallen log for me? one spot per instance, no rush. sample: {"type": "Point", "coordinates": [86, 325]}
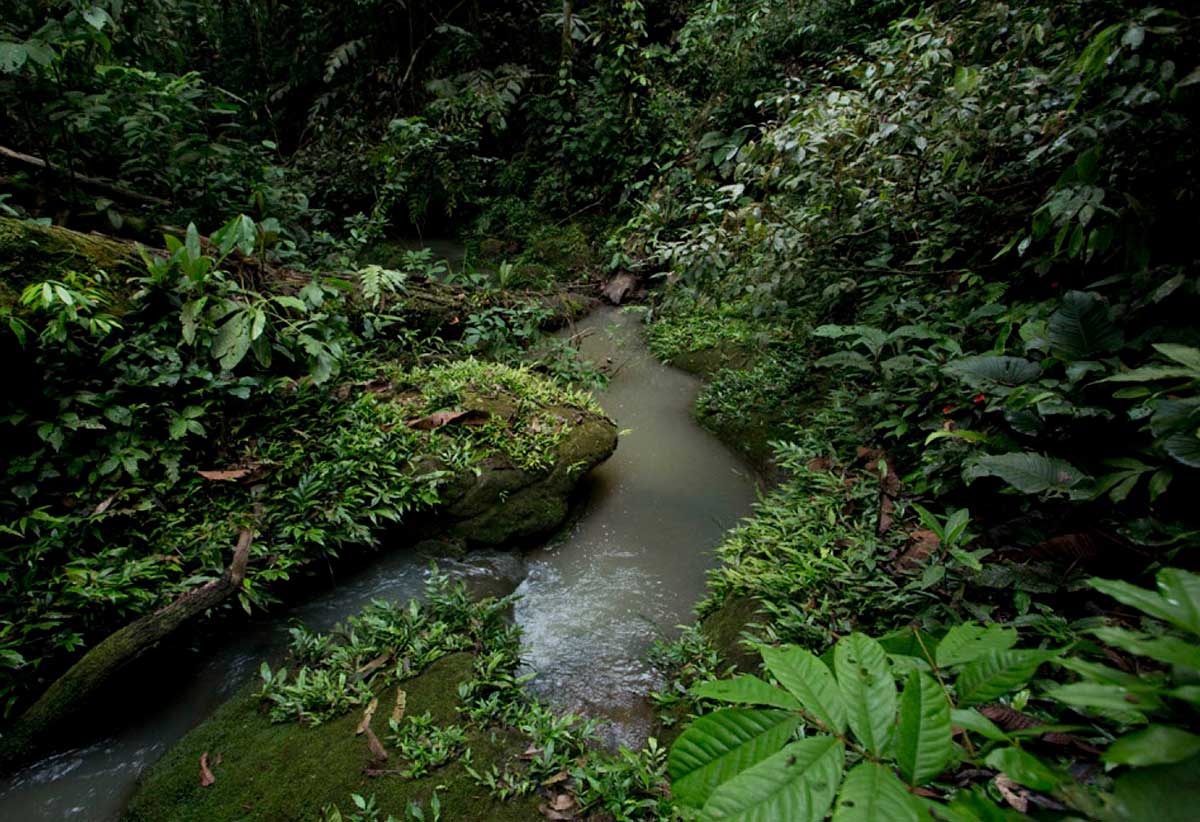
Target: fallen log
{"type": "Point", "coordinates": [34, 729]}
{"type": "Point", "coordinates": [110, 187]}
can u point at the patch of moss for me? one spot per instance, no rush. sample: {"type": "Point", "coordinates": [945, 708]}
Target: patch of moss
{"type": "Point", "coordinates": [726, 627]}
{"type": "Point", "coordinates": [30, 252]}
{"type": "Point", "coordinates": [279, 772]}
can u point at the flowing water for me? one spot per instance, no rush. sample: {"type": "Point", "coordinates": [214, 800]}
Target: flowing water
{"type": "Point", "coordinates": [625, 571]}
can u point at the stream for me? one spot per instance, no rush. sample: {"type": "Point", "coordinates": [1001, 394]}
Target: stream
{"type": "Point", "coordinates": [624, 571]}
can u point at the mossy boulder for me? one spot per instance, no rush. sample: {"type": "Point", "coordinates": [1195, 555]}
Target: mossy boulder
{"type": "Point", "coordinates": [277, 772]}
{"type": "Point", "coordinates": [728, 625]}
{"type": "Point", "coordinates": [505, 503]}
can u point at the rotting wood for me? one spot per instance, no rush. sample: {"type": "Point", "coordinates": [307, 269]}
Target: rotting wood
{"type": "Point", "coordinates": [83, 680]}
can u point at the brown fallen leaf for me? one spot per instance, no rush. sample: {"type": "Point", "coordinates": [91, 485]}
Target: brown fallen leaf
{"type": "Point", "coordinates": [104, 506]}
{"type": "Point", "coordinates": [373, 665]}
{"type": "Point", "coordinates": [530, 752]}
{"type": "Point", "coordinates": [401, 701]}
{"type": "Point", "coordinates": [562, 802]}
{"type": "Point", "coordinates": [557, 816]}
{"type": "Point", "coordinates": [227, 475]}
{"type": "Point", "coordinates": [206, 774]}
{"type": "Point", "coordinates": [561, 776]}
{"type": "Point", "coordinates": [1013, 794]}
{"type": "Point", "coordinates": [376, 747]}
{"type": "Point", "coordinates": [364, 724]}
{"type": "Point", "coordinates": [439, 418]}
{"type": "Point", "coordinates": [922, 544]}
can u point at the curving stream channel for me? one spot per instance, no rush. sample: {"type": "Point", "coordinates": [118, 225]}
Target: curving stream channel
{"type": "Point", "coordinates": [622, 573]}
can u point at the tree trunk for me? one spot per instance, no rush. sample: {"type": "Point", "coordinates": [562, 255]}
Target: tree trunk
{"type": "Point", "coordinates": [75, 688]}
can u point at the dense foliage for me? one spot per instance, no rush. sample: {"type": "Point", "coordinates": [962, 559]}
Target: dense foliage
{"type": "Point", "coordinates": [933, 259]}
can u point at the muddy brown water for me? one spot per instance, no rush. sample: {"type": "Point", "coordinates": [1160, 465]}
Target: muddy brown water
{"type": "Point", "coordinates": [625, 571]}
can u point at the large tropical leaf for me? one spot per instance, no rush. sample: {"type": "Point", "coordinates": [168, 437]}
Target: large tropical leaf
{"type": "Point", "coordinates": [811, 682]}
{"type": "Point", "coordinates": [719, 745]}
{"type": "Point", "coordinates": [970, 640]}
{"type": "Point", "coordinates": [1176, 601]}
{"type": "Point", "coordinates": [747, 690]}
{"type": "Point", "coordinates": [997, 673]}
{"type": "Point", "coordinates": [1081, 328]}
{"type": "Point", "coordinates": [924, 741]}
{"type": "Point", "coordinates": [872, 793]}
{"type": "Point", "coordinates": [1029, 473]}
{"type": "Point", "coordinates": [1167, 649]}
{"type": "Point", "coordinates": [867, 688]}
{"type": "Point", "coordinates": [989, 371]}
{"type": "Point", "coordinates": [797, 784]}
{"type": "Point", "coordinates": [1153, 745]}
{"type": "Point", "coordinates": [1184, 446]}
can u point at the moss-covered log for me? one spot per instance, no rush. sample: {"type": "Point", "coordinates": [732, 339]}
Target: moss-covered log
{"type": "Point", "coordinates": [98, 666]}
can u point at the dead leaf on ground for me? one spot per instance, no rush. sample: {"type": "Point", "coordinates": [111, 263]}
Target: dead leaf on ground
{"type": "Point", "coordinates": [921, 545]}
{"type": "Point", "coordinates": [473, 416]}
{"type": "Point", "coordinates": [227, 475]}
{"type": "Point", "coordinates": [364, 724]}
{"type": "Point", "coordinates": [401, 701]}
{"type": "Point", "coordinates": [373, 665]}
{"type": "Point", "coordinates": [530, 753]}
{"type": "Point", "coordinates": [561, 776]}
{"type": "Point", "coordinates": [206, 774]}
{"type": "Point", "coordinates": [376, 747]}
{"type": "Point", "coordinates": [1013, 794]}
{"type": "Point", "coordinates": [562, 802]}
{"type": "Point", "coordinates": [557, 816]}
{"type": "Point", "coordinates": [104, 506]}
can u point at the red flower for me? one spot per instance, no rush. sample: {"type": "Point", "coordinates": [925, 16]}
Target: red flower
{"type": "Point", "coordinates": [979, 398]}
{"type": "Point", "coordinates": [946, 409]}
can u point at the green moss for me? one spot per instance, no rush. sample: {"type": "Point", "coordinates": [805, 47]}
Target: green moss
{"type": "Point", "coordinates": [278, 772]}
{"type": "Point", "coordinates": [30, 252]}
{"type": "Point", "coordinates": [726, 627]}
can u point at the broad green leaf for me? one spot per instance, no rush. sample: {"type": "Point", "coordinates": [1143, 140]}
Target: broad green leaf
{"type": "Point", "coordinates": [96, 17]}
{"type": "Point", "coordinates": [1176, 601]}
{"type": "Point", "coordinates": [809, 680]}
{"type": "Point", "coordinates": [924, 743]}
{"type": "Point", "coordinates": [797, 783]}
{"type": "Point", "coordinates": [872, 793]}
{"type": "Point", "coordinates": [1162, 793]}
{"type": "Point", "coordinates": [1027, 472]}
{"type": "Point", "coordinates": [997, 673]}
{"type": "Point", "coordinates": [1152, 373]}
{"type": "Point", "coordinates": [970, 640]}
{"type": "Point", "coordinates": [1184, 447]}
{"type": "Point", "coordinates": [1153, 745]}
{"type": "Point", "coordinates": [12, 57]}
{"type": "Point", "coordinates": [970, 719]}
{"type": "Point", "coordinates": [1081, 328]}
{"type": "Point", "coordinates": [1024, 768]}
{"type": "Point", "coordinates": [988, 371]}
{"type": "Point", "coordinates": [1183, 354]}
{"type": "Point", "coordinates": [867, 688]}
{"type": "Point", "coordinates": [192, 242]}
{"type": "Point", "coordinates": [747, 690]}
{"type": "Point", "coordinates": [1168, 649]}
{"type": "Point", "coordinates": [719, 745]}
{"type": "Point", "coordinates": [1106, 697]}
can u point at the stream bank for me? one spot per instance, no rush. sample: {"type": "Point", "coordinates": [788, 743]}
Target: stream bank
{"type": "Point", "coordinates": [626, 570]}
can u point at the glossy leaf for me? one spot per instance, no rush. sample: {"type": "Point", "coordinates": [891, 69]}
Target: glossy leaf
{"type": "Point", "coordinates": [924, 744]}
{"type": "Point", "coordinates": [797, 783]}
{"type": "Point", "coordinates": [872, 793]}
{"type": "Point", "coordinates": [747, 690]}
{"type": "Point", "coordinates": [997, 673]}
{"type": "Point", "coordinates": [868, 690]}
{"type": "Point", "coordinates": [810, 681]}
{"type": "Point", "coordinates": [1153, 745]}
{"type": "Point", "coordinates": [970, 640]}
{"type": "Point", "coordinates": [719, 745]}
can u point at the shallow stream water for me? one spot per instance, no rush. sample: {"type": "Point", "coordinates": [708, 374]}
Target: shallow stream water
{"type": "Point", "coordinates": [625, 571]}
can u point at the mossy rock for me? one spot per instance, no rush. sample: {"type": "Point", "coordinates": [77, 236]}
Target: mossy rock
{"type": "Point", "coordinates": [725, 627]}
{"type": "Point", "coordinates": [705, 362]}
{"type": "Point", "coordinates": [281, 772]}
{"type": "Point", "coordinates": [504, 503]}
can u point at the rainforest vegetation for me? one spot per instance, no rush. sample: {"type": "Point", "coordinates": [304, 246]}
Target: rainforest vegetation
{"type": "Point", "coordinates": [932, 261]}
